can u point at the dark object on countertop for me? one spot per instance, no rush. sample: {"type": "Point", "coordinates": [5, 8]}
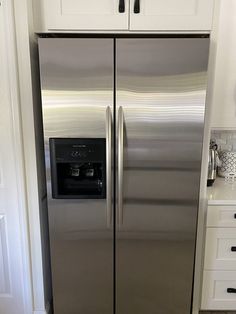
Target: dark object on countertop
{"type": "Point", "coordinates": [213, 162]}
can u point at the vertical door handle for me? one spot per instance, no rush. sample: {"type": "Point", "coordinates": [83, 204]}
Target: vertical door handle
{"type": "Point", "coordinates": [137, 6]}
{"type": "Point", "coordinates": [121, 6]}
{"type": "Point", "coordinates": [109, 165]}
{"type": "Point", "coordinates": [120, 164]}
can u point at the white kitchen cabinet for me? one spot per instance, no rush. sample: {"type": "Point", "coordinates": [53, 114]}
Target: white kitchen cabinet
{"type": "Point", "coordinates": [219, 290]}
{"type": "Point", "coordinates": [224, 87]}
{"type": "Point", "coordinates": [86, 15]}
{"type": "Point", "coordinates": [220, 251]}
{"type": "Point", "coordinates": [219, 276]}
{"type": "Point", "coordinates": [169, 15]}
{"type": "Point", "coordinates": [221, 216]}
{"type": "Point", "coordinates": [94, 15]}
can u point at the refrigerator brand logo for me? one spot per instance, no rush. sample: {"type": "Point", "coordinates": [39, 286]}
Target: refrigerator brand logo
{"type": "Point", "coordinates": [79, 145]}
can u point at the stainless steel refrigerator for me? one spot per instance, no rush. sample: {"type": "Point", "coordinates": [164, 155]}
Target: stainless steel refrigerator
{"type": "Point", "coordinates": [123, 125]}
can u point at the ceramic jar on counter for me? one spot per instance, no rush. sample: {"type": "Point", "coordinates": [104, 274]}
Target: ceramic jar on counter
{"type": "Point", "coordinates": [228, 164]}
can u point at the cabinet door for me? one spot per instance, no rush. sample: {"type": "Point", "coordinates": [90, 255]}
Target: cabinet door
{"type": "Point", "coordinates": [86, 15]}
{"type": "Point", "coordinates": [220, 251]}
{"type": "Point", "coordinates": [171, 14]}
{"type": "Point", "coordinates": [221, 216]}
{"type": "Point", "coordinates": [218, 290]}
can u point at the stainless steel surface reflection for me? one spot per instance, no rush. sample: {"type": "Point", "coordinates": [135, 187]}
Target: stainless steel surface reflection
{"type": "Point", "coordinates": [160, 104]}
{"type": "Point", "coordinates": [77, 88]}
{"type": "Point", "coordinates": [161, 85]}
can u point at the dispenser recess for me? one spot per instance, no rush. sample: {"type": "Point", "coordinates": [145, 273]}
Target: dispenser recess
{"type": "Point", "coordinates": [78, 168]}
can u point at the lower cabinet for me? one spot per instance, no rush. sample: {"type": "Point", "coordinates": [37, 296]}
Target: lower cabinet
{"type": "Point", "coordinates": [221, 216]}
{"type": "Point", "coordinates": [219, 290]}
{"type": "Point", "coordinates": [219, 277]}
{"type": "Point", "coordinates": [220, 252]}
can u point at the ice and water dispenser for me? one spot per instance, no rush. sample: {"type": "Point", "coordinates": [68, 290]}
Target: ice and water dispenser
{"type": "Point", "coordinates": [78, 168]}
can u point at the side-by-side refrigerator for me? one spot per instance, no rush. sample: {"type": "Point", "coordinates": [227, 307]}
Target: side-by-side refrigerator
{"type": "Point", "coordinates": [123, 123]}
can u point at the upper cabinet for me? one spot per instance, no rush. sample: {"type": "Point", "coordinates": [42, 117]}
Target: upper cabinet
{"type": "Point", "coordinates": [86, 14]}
{"type": "Point", "coordinates": [168, 15]}
{"type": "Point", "coordinates": [119, 15]}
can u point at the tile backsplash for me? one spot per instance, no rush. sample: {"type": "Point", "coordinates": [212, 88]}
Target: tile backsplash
{"type": "Point", "coordinates": [226, 140]}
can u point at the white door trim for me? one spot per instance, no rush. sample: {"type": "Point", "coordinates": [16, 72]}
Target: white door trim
{"type": "Point", "coordinates": [9, 29]}
{"type": "Point", "coordinates": [25, 45]}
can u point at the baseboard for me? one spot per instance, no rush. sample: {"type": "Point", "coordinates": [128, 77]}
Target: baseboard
{"type": "Point", "coordinates": [46, 311]}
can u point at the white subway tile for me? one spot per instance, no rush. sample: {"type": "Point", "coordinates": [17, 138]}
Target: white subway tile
{"type": "Point", "coordinates": [220, 141]}
{"type": "Point", "coordinates": [227, 147]}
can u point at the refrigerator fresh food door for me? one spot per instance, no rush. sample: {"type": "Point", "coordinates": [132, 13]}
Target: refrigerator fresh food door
{"type": "Point", "coordinates": [77, 101]}
{"type": "Point", "coordinates": [161, 89]}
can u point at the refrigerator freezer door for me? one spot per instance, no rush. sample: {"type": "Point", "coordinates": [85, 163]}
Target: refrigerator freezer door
{"type": "Point", "coordinates": [161, 87]}
{"type": "Point", "coordinates": [77, 91]}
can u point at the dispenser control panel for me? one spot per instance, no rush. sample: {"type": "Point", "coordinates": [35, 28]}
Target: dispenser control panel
{"type": "Point", "coordinates": [78, 167]}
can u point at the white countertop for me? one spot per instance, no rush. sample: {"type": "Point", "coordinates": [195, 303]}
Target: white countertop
{"type": "Point", "coordinates": [222, 193]}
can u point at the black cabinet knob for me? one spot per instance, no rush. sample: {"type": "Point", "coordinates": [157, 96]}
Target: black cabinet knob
{"type": "Point", "coordinates": [233, 248]}
{"type": "Point", "coordinates": [231, 290]}
{"type": "Point", "coordinates": [122, 6]}
{"type": "Point", "coordinates": [235, 216]}
{"type": "Point", "coordinates": [137, 6]}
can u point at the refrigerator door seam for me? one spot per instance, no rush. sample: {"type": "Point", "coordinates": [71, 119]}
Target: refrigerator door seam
{"type": "Point", "coordinates": [120, 164]}
{"type": "Point", "coordinates": [109, 165]}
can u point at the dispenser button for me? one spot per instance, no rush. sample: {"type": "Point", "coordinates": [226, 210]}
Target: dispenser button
{"type": "Point", "coordinates": [75, 154]}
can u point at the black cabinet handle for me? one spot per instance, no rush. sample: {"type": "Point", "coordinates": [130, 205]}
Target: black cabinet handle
{"type": "Point", "coordinates": [121, 6]}
{"type": "Point", "coordinates": [233, 248]}
{"type": "Point", "coordinates": [235, 216]}
{"type": "Point", "coordinates": [137, 6]}
{"type": "Point", "coordinates": [231, 290]}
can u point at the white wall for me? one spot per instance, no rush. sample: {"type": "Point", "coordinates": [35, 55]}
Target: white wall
{"type": "Point", "coordinates": [224, 93]}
